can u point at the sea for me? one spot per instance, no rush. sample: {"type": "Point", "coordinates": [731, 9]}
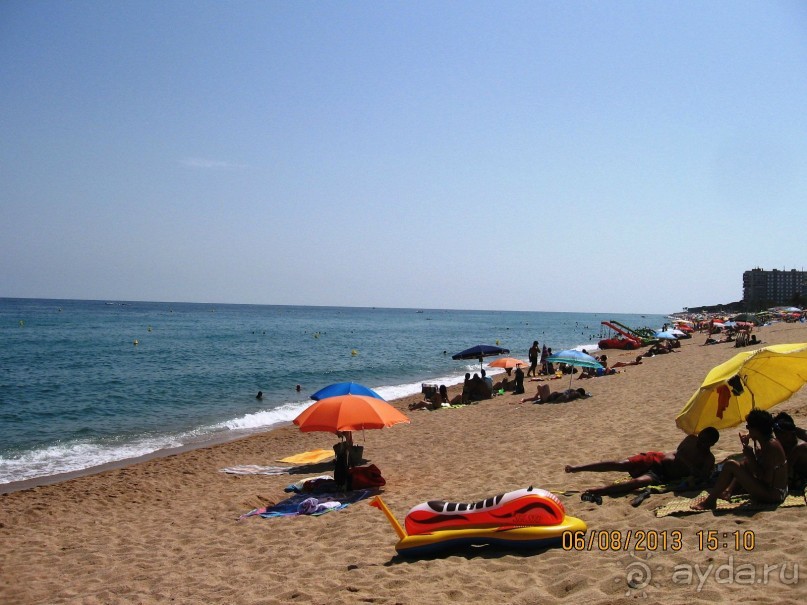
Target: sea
{"type": "Point", "coordinates": [89, 383]}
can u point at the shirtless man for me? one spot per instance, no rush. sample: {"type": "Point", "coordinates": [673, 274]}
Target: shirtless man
{"type": "Point", "coordinates": [693, 457]}
{"type": "Point", "coordinates": [763, 472]}
{"type": "Point", "coordinates": [789, 435]}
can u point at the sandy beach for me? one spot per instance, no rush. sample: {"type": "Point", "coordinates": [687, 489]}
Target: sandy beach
{"type": "Point", "coordinates": [167, 531]}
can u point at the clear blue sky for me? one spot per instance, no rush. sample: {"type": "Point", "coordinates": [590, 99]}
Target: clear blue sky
{"type": "Point", "coordinates": [548, 156]}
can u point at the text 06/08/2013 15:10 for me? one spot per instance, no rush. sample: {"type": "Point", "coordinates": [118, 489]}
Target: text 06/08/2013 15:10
{"type": "Point", "coordinates": [655, 540]}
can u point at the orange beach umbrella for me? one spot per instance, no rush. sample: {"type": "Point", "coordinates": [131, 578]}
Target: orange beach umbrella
{"type": "Point", "coordinates": [507, 363]}
{"type": "Point", "coordinates": [348, 413]}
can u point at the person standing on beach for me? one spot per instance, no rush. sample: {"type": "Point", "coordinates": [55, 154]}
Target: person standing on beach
{"type": "Point", "coordinates": [549, 368]}
{"type": "Point", "coordinates": [532, 355]}
{"type": "Point", "coordinates": [519, 386]}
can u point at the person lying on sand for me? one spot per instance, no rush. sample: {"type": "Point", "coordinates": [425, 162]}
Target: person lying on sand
{"type": "Point", "coordinates": [693, 457]}
{"type": "Point", "coordinates": [793, 440]}
{"type": "Point", "coordinates": [660, 348]}
{"type": "Point", "coordinates": [545, 395]}
{"type": "Point", "coordinates": [435, 402]}
{"type": "Point", "coordinates": [763, 472]}
{"type": "Point", "coordinates": [622, 364]}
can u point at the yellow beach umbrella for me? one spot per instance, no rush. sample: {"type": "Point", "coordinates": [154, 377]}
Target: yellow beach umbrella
{"type": "Point", "coordinates": [760, 378]}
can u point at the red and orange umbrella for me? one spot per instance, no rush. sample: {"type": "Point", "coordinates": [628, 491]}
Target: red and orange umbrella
{"type": "Point", "coordinates": [508, 363]}
{"type": "Point", "coordinates": [348, 413]}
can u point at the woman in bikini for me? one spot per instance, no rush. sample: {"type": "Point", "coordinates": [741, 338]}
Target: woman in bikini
{"type": "Point", "coordinates": [763, 472]}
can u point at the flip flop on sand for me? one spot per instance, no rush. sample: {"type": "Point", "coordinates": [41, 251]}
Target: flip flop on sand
{"type": "Point", "coordinates": [640, 498]}
{"type": "Point", "coordinates": [589, 497]}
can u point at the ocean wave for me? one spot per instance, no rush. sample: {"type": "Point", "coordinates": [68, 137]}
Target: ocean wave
{"type": "Point", "coordinates": [77, 456]}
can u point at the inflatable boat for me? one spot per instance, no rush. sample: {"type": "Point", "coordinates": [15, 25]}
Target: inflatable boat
{"type": "Point", "coordinates": [526, 518]}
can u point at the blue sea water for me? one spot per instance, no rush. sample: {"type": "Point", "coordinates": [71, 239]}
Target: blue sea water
{"type": "Point", "coordinates": [77, 392]}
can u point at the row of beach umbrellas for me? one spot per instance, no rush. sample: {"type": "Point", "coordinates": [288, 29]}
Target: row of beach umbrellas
{"type": "Point", "coordinates": [761, 378]}
{"type": "Point", "coordinates": [348, 406]}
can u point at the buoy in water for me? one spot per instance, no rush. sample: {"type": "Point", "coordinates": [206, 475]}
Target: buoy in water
{"type": "Point", "coordinates": [354, 352]}
{"type": "Point", "coordinates": [135, 343]}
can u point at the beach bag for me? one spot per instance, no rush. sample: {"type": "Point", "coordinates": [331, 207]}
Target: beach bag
{"type": "Point", "coordinates": [366, 476]}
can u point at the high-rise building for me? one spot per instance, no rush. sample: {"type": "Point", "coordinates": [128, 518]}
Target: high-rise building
{"type": "Point", "coordinates": [762, 289]}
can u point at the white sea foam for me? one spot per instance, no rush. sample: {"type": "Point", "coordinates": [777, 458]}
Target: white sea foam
{"type": "Point", "coordinates": [79, 456]}
{"type": "Point", "coordinates": [265, 418]}
{"type": "Point", "coordinates": [58, 459]}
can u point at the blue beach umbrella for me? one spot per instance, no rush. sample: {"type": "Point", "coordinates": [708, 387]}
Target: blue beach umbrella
{"type": "Point", "coordinates": [338, 389]}
{"type": "Point", "coordinates": [666, 336]}
{"type": "Point", "coordinates": [480, 351]}
{"type": "Point", "coordinates": [572, 357]}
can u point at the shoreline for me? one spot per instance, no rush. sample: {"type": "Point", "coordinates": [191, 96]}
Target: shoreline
{"type": "Point", "coordinates": [214, 440]}
{"type": "Point", "coordinates": [222, 437]}
{"type": "Point", "coordinates": [167, 528]}
{"type": "Point", "coordinates": [208, 440]}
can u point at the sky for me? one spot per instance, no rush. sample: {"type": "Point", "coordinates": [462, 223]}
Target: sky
{"type": "Point", "coordinates": [621, 156]}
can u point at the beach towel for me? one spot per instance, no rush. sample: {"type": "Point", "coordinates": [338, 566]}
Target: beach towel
{"type": "Point", "coordinates": [254, 469]}
{"type": "Point", "coordinates": [311, 457]}
{"type": "Point", "coordinates": [681, 506]}
{"type": "Point", "coordinates": [314, 506]}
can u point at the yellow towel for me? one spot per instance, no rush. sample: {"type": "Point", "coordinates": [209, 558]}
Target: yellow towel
{"type": "Point", "coordinates": [681, 506]}
{"type": "Point", "coordinates": [311, 457]}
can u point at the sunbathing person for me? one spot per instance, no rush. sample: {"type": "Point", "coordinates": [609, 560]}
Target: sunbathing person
{"type": "Point", "coordinates": [431, 403]}
{"type": "Point", "coordinates": [602, 371]}
{"type": "Point", "coordinates": [443, 394]}
{"type": "Point", "coordinates": [434, 402]}
{"type": "Point", "coordinates": [622, 364]}
{"type": "Point", "coordinates": [566, 396]}
{"type": "Point", "coordinates": [793, 440]}
{"type": "Point", "coordinates": [537, 397]}
{"type": "Point", "coordinates": [763, 472]}
{"type": "Point", "coordinates": [692, 458]}
{"type": "Point", "coordinates": [545, 395]}
{"type": "Point", "coordinates": [466, 389]}
{"type": "Point", "coordinates": [478, 389]}
{"type": "Point", "coordinates": [660, 348]}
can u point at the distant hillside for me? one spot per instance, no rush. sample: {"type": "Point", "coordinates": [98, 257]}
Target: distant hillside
{"type": "Point", "coordinates": [734, 307]}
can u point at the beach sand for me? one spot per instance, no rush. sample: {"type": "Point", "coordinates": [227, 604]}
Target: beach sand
{"type": "Point", "coordinates": [167, 531]}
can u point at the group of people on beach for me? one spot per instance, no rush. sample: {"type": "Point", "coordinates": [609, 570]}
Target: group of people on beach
{"type": "Point", "coordinates": [773, 459]}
